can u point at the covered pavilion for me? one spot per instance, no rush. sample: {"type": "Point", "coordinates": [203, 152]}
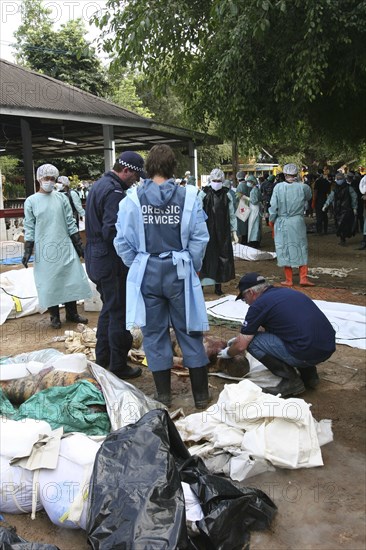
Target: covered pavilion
{"type": "Point", "coordinates": [42, 117]}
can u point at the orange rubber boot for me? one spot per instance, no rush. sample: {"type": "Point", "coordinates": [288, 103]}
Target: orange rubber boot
{"type": "Point", "coordinates": [304, 281]}
{"type": "Point", "coordinates": [288, 275]}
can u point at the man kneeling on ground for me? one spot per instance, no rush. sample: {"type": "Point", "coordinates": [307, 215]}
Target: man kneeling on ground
{"type": "Point", "coordinates": [285, 331]}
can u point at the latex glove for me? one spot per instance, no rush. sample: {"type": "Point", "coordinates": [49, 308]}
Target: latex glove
{"type": "Point", "coordinates": [234, 237]}
{"type": "Point", "coordinates": [28, 249]}
{"type": "Point", "coordinates": [223, 354]}
{"type": "Point", "coordinates": [231, 341]}
{"type": "Point", "coordinates": [355, 211]}
{"type": "Point", "coordinates": [324, 209]}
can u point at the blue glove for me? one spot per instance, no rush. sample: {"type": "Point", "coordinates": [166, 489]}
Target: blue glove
{"type": "Point", "coordinates": [223, 354]}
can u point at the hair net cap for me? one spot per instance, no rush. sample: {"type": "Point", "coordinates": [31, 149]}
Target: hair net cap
{"type": "Point", "coordinates": [217, 174]}
{"type": "Point", "coordinates": [240, 175]}
{"type": "Point", "coordinates": [227, 183]}
{"type": "Point", "coordinates": [64, 180]}
{"type": "Point", "coordinates": [290, 169]}
{"type": "Point", "coordinates": [252, 179]}
{"type": "Point", "coordinates": [47, 170]}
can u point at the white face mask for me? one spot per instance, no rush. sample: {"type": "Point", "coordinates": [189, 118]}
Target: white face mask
{"type": "Point", "coordinates": [216, 185]}
{"type": "Point", "coordinates": [48, 186]}
{"type": "Point", "coordinates": [59, 186]}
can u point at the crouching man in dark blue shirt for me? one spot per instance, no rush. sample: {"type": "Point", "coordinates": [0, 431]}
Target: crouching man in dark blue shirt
{"type": "Point", "coordinates": [285, 331]}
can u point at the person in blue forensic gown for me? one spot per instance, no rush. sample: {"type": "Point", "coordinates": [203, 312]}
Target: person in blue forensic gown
{"type": "Point", "coordinates": [255, 218]}
{"type": "Point", "coordinates": [162, 237]}
{"type": "Point", "coordinates": [242, 190]}
{"type": "Point", "coordinates": [286, 214]}
{"type": "Point", "coordinates": [50, 230]}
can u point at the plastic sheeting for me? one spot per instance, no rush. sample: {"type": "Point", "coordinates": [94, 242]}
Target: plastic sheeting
{"type": "Point", "coordinates": [11, 541]}
{"type": "Point", "coordinates": [75, 408]}
{"type": "Point", "coordinates": [348, 321]}
{"type": "Point", "coordinates": [138, 499]}
{"type": "Point", "coordinates": [250, 254]}
{"type": "Point", "coordinates": [18, 294]}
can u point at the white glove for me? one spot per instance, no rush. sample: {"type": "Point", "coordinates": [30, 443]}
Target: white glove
{"type": "Point", "coordinates": [231, 341]}
{"type": "Point", "coordinates": [223, 354]}
{"type": "Point", "coordinates": [324, 209]}
{"type": "Point", "coordinates": [234, 237]}
{"type": "Point", "coordinates": [355, 211]}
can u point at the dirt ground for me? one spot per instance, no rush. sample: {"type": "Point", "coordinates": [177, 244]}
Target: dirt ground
{"type": "Point", "coordinates": [320, 508]}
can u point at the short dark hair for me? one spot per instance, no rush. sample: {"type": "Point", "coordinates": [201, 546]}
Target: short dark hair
{"type": "Point", "coordinates": [161, 161]}
{"type": "Point", "coordinates": [117, 167]}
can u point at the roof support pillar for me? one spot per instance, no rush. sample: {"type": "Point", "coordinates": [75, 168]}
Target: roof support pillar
{"type": "Point", "coordinates": [109, 147]}
{"type": "Point", "coordinates": [193, 163]}
{"type": "Point", "coordinates": [27, 157]}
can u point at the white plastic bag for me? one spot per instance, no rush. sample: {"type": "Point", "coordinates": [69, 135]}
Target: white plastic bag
{"type": "Point", "coordinates": [16, 489]}
{"type": "Point", "coordinates": [63, 491]}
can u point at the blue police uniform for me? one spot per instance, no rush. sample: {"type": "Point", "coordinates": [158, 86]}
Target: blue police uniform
{"type": "Point", "coordinates": [162, 237]}
{"type": "Point", "coordinates": [106, 269]}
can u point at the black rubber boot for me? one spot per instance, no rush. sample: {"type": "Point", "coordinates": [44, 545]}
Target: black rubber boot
{"type": "Point", "coordinates": [55, 316]}
{"type": "Point", "coordinates": [291, 383]}
{"type": "Point", "coordinates": [162, 384]}
{"type": "Point", "coordinates": [309, 375]}
{"type": "Point", "coordinates": [127, 372]}
{"type": "Point", "coordinates": [218, 289]}
{"type": "Point", "coordinates": [199, 383]}
{"type": "Point", "coordinates": [72, 315]}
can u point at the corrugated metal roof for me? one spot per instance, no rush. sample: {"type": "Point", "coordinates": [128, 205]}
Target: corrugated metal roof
{"type": "Point", "coordinates": [23, 88]}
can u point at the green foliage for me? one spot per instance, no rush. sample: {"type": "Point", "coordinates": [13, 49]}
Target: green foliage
{"type": "Point", "coordinates": [64, 54]}
{"type": "Point", "coordinates": [9, 166]}
{"type": "Point", "coordinates": [124, 93]}
{"type": "Point", "coordinates": [86, 167]}
{"type": "Point", "coordinates": [258, 68]}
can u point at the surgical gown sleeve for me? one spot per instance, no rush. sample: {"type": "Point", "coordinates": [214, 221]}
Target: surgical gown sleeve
{"type": "Point", "coordinates": [126, 241]}
{"type": "Point", "coordinates": [29, 221]}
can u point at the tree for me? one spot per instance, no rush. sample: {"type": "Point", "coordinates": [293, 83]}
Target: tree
{"type": "Point", "coordinates": [259, 68]}
{"type": "Point", "coordinates": [64, 54]}
{"type": "Point", "coordinates": [124, 92]}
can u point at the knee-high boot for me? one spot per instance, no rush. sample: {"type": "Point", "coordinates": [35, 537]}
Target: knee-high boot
{"type": "Point", "coordinates": [288, 276]}
{"type": "Point", "coordinates": [72, 314]}
{"type": "Point", "coordinates": [304, 281]}
{"type": "Point", "coordinates": [162, 384]}
{"type": "Point", "coordinates": [199, 383]}
{"type": "Point", "coordinates": [218, 289]}
{"type": "Point", "coordinates": [291, 383]}
{"type": "Point", "coordinates": [54, 312]}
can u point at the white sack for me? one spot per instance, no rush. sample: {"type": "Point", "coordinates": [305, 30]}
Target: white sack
{"type": "Point", "coordinates": [16, 489]}
{"type": "Point", "coordinates": [63, 491]}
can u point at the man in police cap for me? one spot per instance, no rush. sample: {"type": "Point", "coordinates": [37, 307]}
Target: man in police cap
{"type": "Point", "coordinates": [105, 268]}
{"type": "Point", "coordinates": [285, 331]}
